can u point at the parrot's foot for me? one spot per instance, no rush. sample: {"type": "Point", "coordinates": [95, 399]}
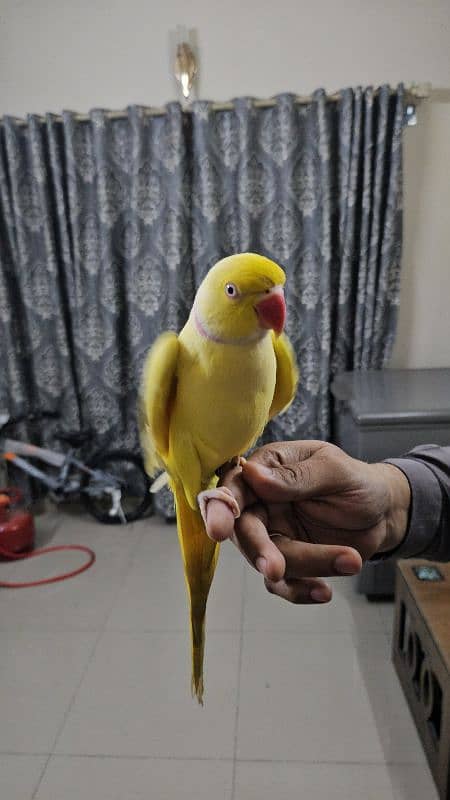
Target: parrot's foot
{"type": "Point", "coordinates": [220, 493]}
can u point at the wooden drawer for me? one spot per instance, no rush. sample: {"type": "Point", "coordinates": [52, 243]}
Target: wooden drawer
{"type": "Point", "coordinates": [421, 653]}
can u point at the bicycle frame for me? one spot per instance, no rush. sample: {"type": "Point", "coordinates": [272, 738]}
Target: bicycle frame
{"type": "Point", "coordinates": [14, 449]}
{"type": "Point", "coordinates": [98, 483]}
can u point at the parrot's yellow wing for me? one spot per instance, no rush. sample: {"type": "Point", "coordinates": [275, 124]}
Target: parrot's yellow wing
{"type": "Point", "coordinates": [287, 374]}
{"type": "Point", "coordinates": [157, 392]}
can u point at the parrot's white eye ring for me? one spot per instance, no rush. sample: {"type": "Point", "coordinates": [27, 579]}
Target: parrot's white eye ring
{"type": "Point", "coordinates": [231, 290]}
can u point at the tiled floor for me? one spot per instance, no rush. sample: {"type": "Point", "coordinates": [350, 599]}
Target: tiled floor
{"type": "Point", "coordinates": [94, 677]}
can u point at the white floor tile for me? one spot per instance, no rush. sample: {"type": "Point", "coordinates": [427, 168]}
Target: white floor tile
{"type": "Point", "coordinates": [154, 597]}
{"type": "Point", "coordinates": [81, 603]}
{"type": "Point", "coordinates": [412, 782]}
{"type": "Point", "coordinates": [6, 570]}
{"type": "Point", "coordinates": [322, 781]}
{"type": "Point", "coordinates": [284, 781]}
{"type": "Point", "coordinates": [39, 675]}
{"type": "Point", "coordinates": [19, 776]}
{"type": "Point", "coordinates": [390, 712]}
{"type": "Point", "coordinates": [135, 699]}
{"type": "Point", "coordinates": [45, 525]}
{"type": "Point", "coordinates": [322, 697]}
{"type": "Point", "coordinates": [71, 778]}
{"type": "Point", "coordinates": [346, 611]}
{"type": "Point", "coordinates": [318, 691]}
{"type": "Point", "coordinates": [386, 611]}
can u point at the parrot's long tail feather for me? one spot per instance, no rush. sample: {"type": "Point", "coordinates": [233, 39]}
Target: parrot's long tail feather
{"type": "Point", "coordinates": [198, 651]}
{"type": "Point", "coordinates": [199, 557]}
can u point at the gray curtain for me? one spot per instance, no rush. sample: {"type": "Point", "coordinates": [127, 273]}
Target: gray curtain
{"type": "Point", "coordinates": [107, 227]}
{"type": "Point", "coordinates": [317, 187]}
{"type": "Point", "coordinates": [94, 261]}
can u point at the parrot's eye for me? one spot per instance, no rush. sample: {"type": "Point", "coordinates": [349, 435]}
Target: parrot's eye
{"type": "Point", "coordinates": [231, 290]}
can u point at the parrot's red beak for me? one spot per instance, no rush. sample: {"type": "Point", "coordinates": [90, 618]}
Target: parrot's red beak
{"type": "Point", "coordinates": [271, 310]}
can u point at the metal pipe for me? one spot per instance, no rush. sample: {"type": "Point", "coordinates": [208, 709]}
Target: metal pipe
{"type": "Point", "coordinates": [413, 94]}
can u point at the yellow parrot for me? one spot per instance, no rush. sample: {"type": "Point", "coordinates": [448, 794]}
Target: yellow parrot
{"type": "Point", "coordinates": [206, 396]}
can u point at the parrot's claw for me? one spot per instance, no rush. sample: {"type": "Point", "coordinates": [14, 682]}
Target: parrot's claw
{"type": "Point", "coordinates": [220, 493]}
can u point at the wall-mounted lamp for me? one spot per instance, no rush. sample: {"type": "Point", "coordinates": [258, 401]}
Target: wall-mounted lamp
{"type": "Point", "coordinates": [185, 66]}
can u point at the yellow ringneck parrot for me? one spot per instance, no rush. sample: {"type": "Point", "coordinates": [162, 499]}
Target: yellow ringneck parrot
{"type": "Point", "coordinates": [206, 396]}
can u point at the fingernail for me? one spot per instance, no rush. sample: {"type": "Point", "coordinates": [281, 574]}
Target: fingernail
{"type": "Point", "coordinates": [320, 594]}
{"type": "Point", "coordinates": [346, 565]}
{"type": "Point", "coordinates": [261, 565]}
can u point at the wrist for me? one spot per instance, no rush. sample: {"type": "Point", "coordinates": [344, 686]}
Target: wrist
{"type": "Point", "coordinates": [398, 506]}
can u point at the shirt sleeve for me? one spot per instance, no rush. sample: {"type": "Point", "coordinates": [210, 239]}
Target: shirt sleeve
{"type": "Point", "coordinates": [427, 469]}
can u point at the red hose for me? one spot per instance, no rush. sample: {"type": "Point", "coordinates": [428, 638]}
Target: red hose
{"type": "Point", "coordinates": [41, 551]}
{"type": "Point", "coordinates": [13, 496]}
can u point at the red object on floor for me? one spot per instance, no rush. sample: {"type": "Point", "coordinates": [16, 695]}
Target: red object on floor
{"type": "Point", "coordinates": [16, 525]}
{"type": "Point", "coordinates": [17, 534]}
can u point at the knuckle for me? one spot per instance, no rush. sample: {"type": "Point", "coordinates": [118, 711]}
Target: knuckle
{"type": "Point", "coordinates": [302, 474]}
{"type": "Point", "coordinates": [271, 455]}
{"type": "Point", "coordinates": [290, 475]}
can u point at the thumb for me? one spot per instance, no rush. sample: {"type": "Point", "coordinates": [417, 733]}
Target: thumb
{"type": "Point", "coordinates": [284, 483]}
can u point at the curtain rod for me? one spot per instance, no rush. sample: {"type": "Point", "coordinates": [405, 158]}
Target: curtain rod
{"type": "Point", "coordinates": [413, 94]}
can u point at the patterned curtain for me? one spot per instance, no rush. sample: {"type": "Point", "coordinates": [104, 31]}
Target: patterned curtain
{"type": "Point", "coordinates": [94, 261]}
{"type": "Point", "coordinates": [108, 225]}
{"type": "Point", "coordinates": [318, 188]}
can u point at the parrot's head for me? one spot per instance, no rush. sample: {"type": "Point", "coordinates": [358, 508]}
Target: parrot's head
{"type": "Point", "coordinates": [241, 298]}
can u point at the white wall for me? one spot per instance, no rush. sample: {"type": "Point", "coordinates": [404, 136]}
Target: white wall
{"type": "Point", "coordinates": [423, 337]}
{"type": "Point", "coordinates": [78, 54]}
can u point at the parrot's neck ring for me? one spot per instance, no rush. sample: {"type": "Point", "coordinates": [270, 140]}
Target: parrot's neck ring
{"type": "Point", "coordinates": [205, 333]}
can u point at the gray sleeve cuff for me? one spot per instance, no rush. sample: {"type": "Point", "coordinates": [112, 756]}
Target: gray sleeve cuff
{"type": "Point", "coordinates": [425, 510]}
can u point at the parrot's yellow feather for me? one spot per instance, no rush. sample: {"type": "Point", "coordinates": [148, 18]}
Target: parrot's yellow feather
{"type": "Point", "coordinates": [206, 396]}
{"type": "Point", "coordinates": [287, 375]}
{"type": "Point", "coordinates": [199, 559]}
{"type": "Point", "coordinates": [156, 396]}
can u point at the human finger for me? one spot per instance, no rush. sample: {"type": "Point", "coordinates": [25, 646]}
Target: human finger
{"type": "Point", "coordinates": [219, 517]}
{"type": "Point", "coordinates": [219, 521]}
{"type": "Point", "coordinates": [309, 560]}
{"type": "Point", "coordinates": [303, 591]}
{"type": "Point", "coordinates": [254, 542]}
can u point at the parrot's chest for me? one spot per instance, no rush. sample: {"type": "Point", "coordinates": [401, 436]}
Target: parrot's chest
{"type": "Point", "coordinates": [227, 396]}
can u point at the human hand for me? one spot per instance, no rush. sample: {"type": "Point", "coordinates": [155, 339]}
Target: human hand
{"type": "Point", "coordinates": [309, 510]}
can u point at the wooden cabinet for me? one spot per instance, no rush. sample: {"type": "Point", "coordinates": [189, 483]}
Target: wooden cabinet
{"type": "Point", "coordinates": [421, 653]}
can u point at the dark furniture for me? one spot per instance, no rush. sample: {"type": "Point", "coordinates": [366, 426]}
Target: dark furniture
{"type": "Point", "coordinates": [421, 653]}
